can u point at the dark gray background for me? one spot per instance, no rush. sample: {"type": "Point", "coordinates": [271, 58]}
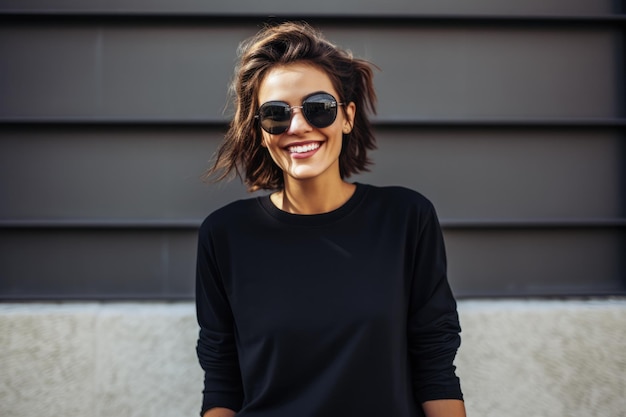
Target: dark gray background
{"type": "Point", "coordinates": [509, 116]}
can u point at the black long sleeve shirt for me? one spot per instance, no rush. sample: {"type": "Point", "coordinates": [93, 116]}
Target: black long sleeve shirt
{"type": "Point", "coordinates": [347, 313]}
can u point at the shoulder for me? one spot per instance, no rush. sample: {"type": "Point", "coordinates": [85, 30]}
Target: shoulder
{"type": "Point", "coordinates": [233, 213]}
{"type": "Point", "coordinates": [400, 197]}
{"type": "Point", "coordinates": [400, 205]}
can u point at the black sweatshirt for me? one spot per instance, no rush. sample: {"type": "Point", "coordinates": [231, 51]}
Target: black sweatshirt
{"type": "Point", "coordinates": [346, 313]}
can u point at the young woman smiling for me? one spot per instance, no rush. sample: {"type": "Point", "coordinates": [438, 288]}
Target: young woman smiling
{"type": "Point", "coordinates": [307, 156]}
{"type": "Point", "coordinates": [325, 297]}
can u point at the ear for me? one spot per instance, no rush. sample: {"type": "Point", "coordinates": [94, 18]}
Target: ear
{"type": "Point", "coordinates": [349, 113]}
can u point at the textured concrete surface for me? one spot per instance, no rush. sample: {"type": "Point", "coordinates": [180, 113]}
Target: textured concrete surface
{"type": "Point", "coordinates": [544, 358]}
{"type": "Point", "coordinates": [120, 360]}
{"type": "Point", "coordinates": [518, 358]}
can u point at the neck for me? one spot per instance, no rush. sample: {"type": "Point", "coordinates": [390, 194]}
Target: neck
{"type": "Point", "coordinates": [312, 197]}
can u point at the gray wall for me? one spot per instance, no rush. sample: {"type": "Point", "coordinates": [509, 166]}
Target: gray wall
{"type": "Point", "coordinates": [508, 115]}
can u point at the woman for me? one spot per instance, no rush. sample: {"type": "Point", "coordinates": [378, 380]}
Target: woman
{"type": "Point", "coordinates": [324, 298]}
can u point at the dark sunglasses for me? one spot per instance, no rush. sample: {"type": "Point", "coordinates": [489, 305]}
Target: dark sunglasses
{"type": "Point", "coordinates": [319, 109]}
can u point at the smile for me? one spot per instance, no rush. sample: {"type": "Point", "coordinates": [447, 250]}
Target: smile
{"type": "Point", "coordinates": [304, 148]}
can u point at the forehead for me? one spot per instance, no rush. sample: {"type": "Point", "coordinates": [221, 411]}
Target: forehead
{"type": "Point", "coordinates": [293, 82]}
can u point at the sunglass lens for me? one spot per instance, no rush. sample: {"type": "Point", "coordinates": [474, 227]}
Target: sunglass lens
{"type": "Point", "coordinates": [275, 117]}
{"type": "Point", "coordinates": [320, 110]}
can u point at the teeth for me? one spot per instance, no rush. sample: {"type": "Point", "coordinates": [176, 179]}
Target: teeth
{"type": "Point", "coordinates": [304, 148]}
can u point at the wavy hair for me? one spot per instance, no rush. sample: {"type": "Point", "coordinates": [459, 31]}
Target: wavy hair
{"type": "Point", "coordinates": [241, 151]}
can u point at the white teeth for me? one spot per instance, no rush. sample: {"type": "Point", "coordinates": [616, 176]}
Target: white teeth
{"type": "Point", "coordinates": [304, 148]}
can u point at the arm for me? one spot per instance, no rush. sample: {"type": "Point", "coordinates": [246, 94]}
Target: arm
{"type": "Point", "coordinates": [444, 408]}
{"type": "Point", "coordinates": [216, 349]}
{"type": "Point", "coordinates": [433, 325]}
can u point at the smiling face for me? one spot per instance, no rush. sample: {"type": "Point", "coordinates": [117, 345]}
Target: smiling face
{"type": "Point", "coordinates": [304, 152]}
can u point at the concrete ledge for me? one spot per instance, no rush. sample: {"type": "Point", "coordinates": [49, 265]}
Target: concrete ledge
{"type": "Point", "coordinates": [544, 358]}
{"type": "Point", "coordinates": [117, 360]}
{"type": "Point", "coordinates": [518, 358]}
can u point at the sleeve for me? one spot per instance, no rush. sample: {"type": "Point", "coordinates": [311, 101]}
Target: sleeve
{"type": "Point", "coordinates": [433, 323]}
{"type": "Point", "coordinates": [216, 349]}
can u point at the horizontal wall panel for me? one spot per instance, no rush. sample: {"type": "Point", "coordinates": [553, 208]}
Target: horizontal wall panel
{"type": "Point", "coordinates": [85, 264]}
{"type": "Point", "coordinates": [523, 263]}
{"type": "Point", "coordinates": [100, 264]}
{"type": "Point", "coordinates": [118, 174]}
{"type": "Point", "coordinates": [345, 7]}
{"type": "Point", "coordinates": [116, 72]}
{"type": "Point", "coordinates": [478, 73]}
{"type": "Point", "coordinates": [491, 174]}
{"type": "Point", "coordinates": [143, 174]}
{"type": "Point", "coordinates": [120, 71]}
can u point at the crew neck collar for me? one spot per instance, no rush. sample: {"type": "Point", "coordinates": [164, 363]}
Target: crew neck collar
{"type": "Point", "coordinates": [315, 219]}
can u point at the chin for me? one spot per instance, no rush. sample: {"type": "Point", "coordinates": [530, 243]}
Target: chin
{"type": "Point", "coordinates": [302, 176]}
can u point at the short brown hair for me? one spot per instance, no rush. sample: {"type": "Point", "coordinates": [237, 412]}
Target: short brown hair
{"type": "Point", "coordinates": [284, 44]}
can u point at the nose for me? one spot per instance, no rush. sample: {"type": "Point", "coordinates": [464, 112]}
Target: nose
{"type": "Point", "coordinates": [298, 124]}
